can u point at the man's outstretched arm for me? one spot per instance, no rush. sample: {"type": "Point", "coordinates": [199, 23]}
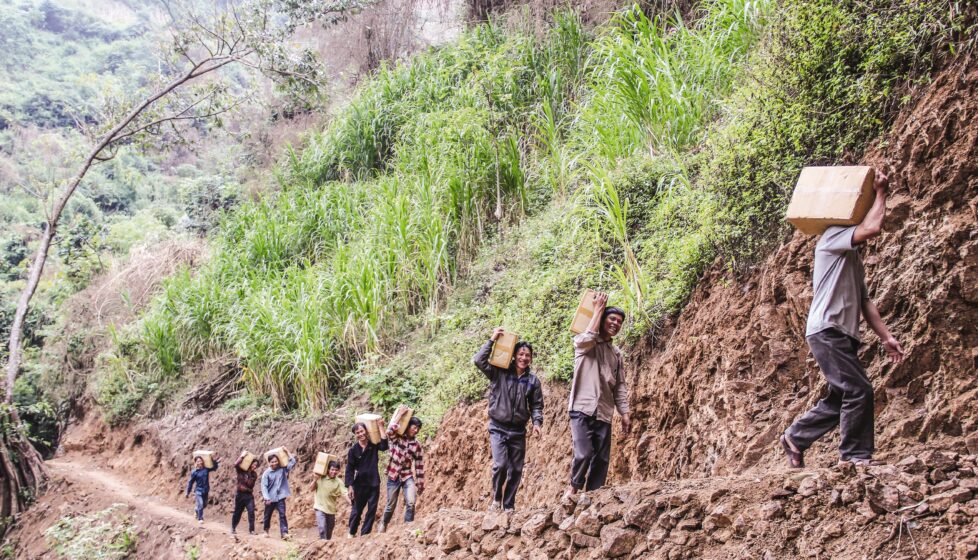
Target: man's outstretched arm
{"type": "Point", "coordinates": [872, 224]}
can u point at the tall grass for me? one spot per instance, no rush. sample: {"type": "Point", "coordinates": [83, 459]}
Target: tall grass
{"type": "Point", "coordinates": [377, 218]}
{"type": "Point", "coordinates": [639, 156]}
{"type": "Point", "coordinates": [657, 85]}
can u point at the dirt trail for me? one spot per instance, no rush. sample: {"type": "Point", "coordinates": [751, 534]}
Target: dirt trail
{"type": "Point", "coordinates": [165, 530]}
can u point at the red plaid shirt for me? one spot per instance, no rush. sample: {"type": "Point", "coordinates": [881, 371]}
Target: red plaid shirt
{"type": "Point", "coordinates": [403, 453]}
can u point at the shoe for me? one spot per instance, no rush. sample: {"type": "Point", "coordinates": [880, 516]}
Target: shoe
{"type": "Point", "coordinates": [286, 537]}
{"type": "Point", "coordinates": [509, 511]}
{"type": "Point", "coordinates": [350, 536]}
{"type": "Point", "coordinates": [265, 535]}
{"type": "Point", "coordinates": [200, 522]}
{"type": "Point", "coordinates": [252, 533]}
{"type": "Point", "coordinates": [495, 506]}
{"type": "Point", "coordinates": [381, 528]}
{"type": "Point", "coordinates": [860, 462]}
{"type": "Point", "coordinates": [796, 458]}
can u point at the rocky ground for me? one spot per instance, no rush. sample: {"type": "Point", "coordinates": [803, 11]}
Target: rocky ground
{"type": "Point", "coordinates": [922, 507]}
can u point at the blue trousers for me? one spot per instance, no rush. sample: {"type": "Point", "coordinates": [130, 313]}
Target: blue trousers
{"type": "Point", "coordinates": [394, 488]}
{"type": "Point", "coordinates": [201, 503]}
{"type": "Point", "coordinates": [283, 523]}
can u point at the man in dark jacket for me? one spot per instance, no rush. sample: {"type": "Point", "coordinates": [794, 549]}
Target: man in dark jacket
{"type": "Point", "coordinates": [200, 477]}
{"type": "Point", "coordinates": [515, 398]}
{"type": "Point", "coordinates": [362, 478]}
{"type": "Point", "coordinates": [244, 495]}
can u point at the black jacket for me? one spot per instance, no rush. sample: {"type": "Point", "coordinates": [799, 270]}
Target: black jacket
{"type": "Point", "coordinates": [513, 399]}
{"type": "Point", "coordinates": [361, 464]}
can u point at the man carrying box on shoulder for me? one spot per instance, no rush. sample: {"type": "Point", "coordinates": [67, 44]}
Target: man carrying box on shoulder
{"type": "Point", "coordinates": [832, 333]}
{"type": "Point", "coordinates": [598, 389]}
{"type": "Point", "coordinates": [515, 398]}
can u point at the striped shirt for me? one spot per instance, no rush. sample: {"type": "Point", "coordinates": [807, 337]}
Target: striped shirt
{"type": "Point", "coordinates": [403, 453]}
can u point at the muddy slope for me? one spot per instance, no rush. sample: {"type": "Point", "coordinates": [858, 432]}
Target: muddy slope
{"type": "Point", "coordinates": [712, 392]}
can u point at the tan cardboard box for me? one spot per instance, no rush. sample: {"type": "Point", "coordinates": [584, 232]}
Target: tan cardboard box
{"type": "Point", "coordinates": [831, 196]}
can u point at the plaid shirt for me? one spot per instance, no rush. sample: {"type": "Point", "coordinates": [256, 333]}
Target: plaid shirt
{"type": "Point", "coordinates": [404, 452]}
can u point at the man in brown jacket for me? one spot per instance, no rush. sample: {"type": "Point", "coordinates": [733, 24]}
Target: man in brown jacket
{"type": "Point", "coordinates": [598, 389]}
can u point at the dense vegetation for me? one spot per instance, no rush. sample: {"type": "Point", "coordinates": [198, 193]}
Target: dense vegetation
{"type": "Point", "coordinates": [489, 181]}
{"type": "Point", "coordinates": [62, 72]}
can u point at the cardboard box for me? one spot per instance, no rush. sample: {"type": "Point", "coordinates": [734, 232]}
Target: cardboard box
{"type": "Point", "coordinates": [247, 460]}
{"type": "Point", "coordinates": [502, 350]}
{"type": "Point", "coordinates": [401, 418]}
{"type": "Point", "coordinates": [831, 196]}
{"type": "Point", "coordinates": [322, 462]}
{"type": "Point", "coordinates": [585, 310]}
{"type": "Point", "coordinates": [207, 456]}
{"type": "Point", "coordinates": [281, 453]}
{"type": "Point", "coordinates": [372, 422]}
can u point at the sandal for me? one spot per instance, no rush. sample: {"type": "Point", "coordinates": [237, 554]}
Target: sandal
{"type": "Point", "coordinates": [796, 459]}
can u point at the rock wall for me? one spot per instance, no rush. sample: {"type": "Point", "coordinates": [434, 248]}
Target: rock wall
{"type": "Point", "coordinates": [923, 507]}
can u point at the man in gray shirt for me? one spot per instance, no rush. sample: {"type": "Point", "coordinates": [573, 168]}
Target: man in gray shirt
{"type": "Point", "coordinates": [833, 335]}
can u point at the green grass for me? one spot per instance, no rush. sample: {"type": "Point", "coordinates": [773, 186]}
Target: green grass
{"type": "Point", "coordinates": [488, 182]}
{"type": "Point", "coordinates": [105, 535]}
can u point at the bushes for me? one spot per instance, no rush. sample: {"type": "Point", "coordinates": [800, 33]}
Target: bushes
{"type": "Point", "coordinates": [825, 83]}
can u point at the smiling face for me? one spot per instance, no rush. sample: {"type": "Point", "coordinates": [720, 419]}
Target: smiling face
{"type": "Point", "coordinates": [198, 462]}
{"type": "Point", "coordinates": [612, 324]}
{"type": "Point", "coordinates": [523, 358]}
{"type": "Point", "coordinates": [273, 462]}
{"type": "Point", "coordinates": [333, 472]}
{"type": "Point", "coordinates": [361, 434]}
{"type": "Point", "coordinates": [412, 431]}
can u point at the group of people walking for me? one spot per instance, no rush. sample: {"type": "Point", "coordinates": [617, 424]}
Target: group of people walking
{"type": "Point", "coordinates": [598, 390]}
{"type": "Point", "coordinates": [360, 486]}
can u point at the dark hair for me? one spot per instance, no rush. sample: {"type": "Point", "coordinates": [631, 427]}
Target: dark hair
{"type": "Point", "coordinates": [359, 425]}
{"type": "Point", "coordinates": [333, 465]}
{"type": "Point", "coordinates": [613, 311]}
{"type": "Point", "coordinates": [414, 421]}
{"type": "Point", "coordinates": [522, 344]}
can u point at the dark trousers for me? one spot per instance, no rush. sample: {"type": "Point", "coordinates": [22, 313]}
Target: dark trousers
{"type": "Point", "coordinates": [243, 501]}
{"type": "Point", "coordinates": [283, 523]}
{"type": "Point", "coordinates": [508, 452]}
{"type": "Point", "coordinates": [325, 523]}
{"type": "Point", "coordinates": [592, 451]}
{"type": "Point", "coordinates": [848, 404]}
{"type": "Point", "coordinates": [364, 498]}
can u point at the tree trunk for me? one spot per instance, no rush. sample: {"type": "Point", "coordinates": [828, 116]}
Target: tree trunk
{"type": "Point", "coordinates": [21, 469]}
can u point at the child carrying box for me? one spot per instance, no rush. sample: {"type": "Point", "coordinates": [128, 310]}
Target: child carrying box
{"type": "Point", "coordinates": [328, 489]}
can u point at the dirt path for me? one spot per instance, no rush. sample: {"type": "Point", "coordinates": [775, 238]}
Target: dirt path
{"type": "Point", "coordinates": [166, 529]}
